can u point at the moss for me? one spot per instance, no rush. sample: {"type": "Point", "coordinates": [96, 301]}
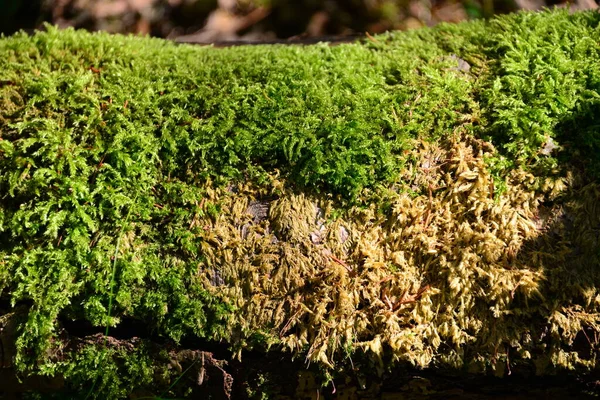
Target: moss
{"type": "Point", "coordinates": [426, 197]}
{"type": "Point", "coordinates": [541, 78]}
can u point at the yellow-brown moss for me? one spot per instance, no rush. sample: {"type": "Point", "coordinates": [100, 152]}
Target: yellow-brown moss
{"type": "Point", "coordinates": [452, 272]}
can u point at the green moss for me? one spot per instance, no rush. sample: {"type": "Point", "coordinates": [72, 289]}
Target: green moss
{"type": "Point", "coordinates": [542, 86]}
{"type": "Point", "coordinates": [101, 373]}
{"type": "Point", "coordinates": [111, 148]}
{"type": "Point", "coordinates": [331, 117]}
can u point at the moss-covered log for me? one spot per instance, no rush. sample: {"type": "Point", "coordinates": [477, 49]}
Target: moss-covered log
{"type": "Point", "coordinates": [426, 198]}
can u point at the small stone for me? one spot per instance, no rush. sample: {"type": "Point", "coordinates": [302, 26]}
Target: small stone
{"type": "Point", "coordinates": [462, 64]}
{"type": "Point", "coordinates": [315, 237]}
{"type": "Point", "coordinates": [216, 279]}
{"type": "Point", "coordinates": [259, 210]}
{"type": "Point", "coordinates": [549, 147]}
{"type": "Point", "coordinates": [343, 232]}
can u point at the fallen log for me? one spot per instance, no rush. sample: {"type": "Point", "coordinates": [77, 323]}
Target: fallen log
{"type": "Point", "coordinates": [424, 200]}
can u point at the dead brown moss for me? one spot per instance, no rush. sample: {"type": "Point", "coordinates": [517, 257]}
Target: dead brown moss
{"type": "Point", "coordinates": [453, 273]}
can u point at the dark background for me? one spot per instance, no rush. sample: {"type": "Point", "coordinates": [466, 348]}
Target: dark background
{"type": "Point", "coordinates": [254, 20]}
